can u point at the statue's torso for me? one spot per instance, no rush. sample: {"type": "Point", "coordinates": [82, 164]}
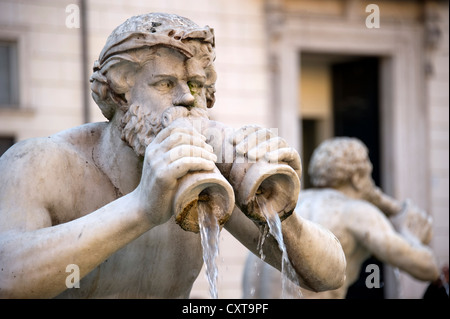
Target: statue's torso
{"type": "Point", "coordinates": [162, 263]}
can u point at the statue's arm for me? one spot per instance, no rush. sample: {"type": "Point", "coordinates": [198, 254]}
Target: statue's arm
{"type": "Point", "coordinates": [315, 253]}
{"type": "Point", "coordinates": [34, 256]}
{"type": "Point", "coordinates": [34, 249]}
{"type": "Point", "coordinates": [374, 231]}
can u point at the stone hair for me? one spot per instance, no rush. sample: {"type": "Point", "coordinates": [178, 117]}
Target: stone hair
{"type": "Point", "coordinates": [336, 160]}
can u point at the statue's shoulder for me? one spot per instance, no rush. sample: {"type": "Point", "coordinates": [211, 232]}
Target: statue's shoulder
{"type": "Point", "coordinates": [79, 137]}
{"type": "Point", "coordinates": [42, 151]}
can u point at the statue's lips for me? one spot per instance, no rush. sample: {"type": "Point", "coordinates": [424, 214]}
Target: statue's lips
{"type": "Point", "coordinates": [178, 112]}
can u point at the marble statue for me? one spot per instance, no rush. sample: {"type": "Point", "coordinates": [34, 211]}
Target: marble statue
{"type": "Point", "coordinates": [118, 201]}
{"type": "Point", "coordinates": [366, 221]}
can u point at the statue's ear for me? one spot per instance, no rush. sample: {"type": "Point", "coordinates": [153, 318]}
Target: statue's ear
{"type": "Point", "coordinates": [357, 181]}
{"type": "Point", "coordinates": [363, 184]}
{"type": "Point", "coordinates": [122, 78]}
{"type": "Point", "coordinates": [119, 99]}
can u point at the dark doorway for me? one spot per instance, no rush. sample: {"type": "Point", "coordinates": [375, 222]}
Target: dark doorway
{"type": "Point", "coordinates": [356, 114]}
{"type": "Point", "coordinates": [356, 105]}
{"type": "Point", "coordinates": [309, 144]}
{"type": "Point", "coordinates": [5, 143]}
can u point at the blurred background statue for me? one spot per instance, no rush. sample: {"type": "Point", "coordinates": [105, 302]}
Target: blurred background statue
{"type": "Point", "coordinates": [366, 221]}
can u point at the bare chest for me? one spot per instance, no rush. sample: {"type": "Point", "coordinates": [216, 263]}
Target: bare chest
{"type": "Point", "coordinates": [162, 263]}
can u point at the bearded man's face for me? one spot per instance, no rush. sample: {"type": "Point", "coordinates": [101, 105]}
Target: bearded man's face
{"type": "Point", "coordinates": [165, 81]}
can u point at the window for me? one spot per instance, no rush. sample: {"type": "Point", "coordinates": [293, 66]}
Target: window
{"type": "Point", "coordinates": [9, 85]}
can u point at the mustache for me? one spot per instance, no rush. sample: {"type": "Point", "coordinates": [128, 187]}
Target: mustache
{"type": "Point", "coordinates": [175, 112]}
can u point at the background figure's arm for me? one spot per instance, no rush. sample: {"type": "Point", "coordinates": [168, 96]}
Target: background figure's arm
{"type": "Point", "coordinates": [315, 253]}
{"type": "Point", "coordinates": [388, 205]}
{"type": "Point", "coordinates": [413, 223]}
{"type": "Point", "coordinates": [375, 232]}
{"type": "Point", "coordinates": [407, 218]}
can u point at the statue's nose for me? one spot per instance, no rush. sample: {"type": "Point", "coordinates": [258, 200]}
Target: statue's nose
{"type": "Point", "coordinates": [184, 97]}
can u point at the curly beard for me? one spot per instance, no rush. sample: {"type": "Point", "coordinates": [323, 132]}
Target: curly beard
{"type": "Point", "coordinates": [140, 126]}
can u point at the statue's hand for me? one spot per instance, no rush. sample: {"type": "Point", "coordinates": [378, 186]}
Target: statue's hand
{"type": "Point", "coordinates": [415, 221]}
{"type": "Point", "coordinates": [175, 151]}
{"type": "Point", "coordinates": [258, 143]}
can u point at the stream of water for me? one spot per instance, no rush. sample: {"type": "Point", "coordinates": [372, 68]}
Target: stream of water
{"type": "Point", "coordinates": [209, 233]}
{"type": "Point", "coordinates": [289, 288]}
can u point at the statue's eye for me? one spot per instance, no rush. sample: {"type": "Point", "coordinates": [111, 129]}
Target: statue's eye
{"type": "Point", "coordinates": [164, 84]}
{"type": "Point", "coordinates": [195, 85]}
